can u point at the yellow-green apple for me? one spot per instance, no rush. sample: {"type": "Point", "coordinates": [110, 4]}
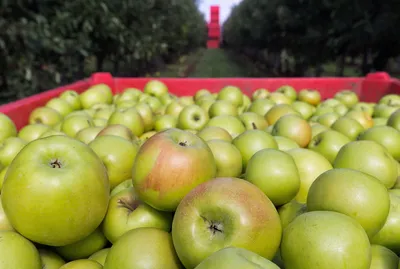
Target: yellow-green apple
{"type": "Point", "coordinates": [153, 102]}
{"type": "Point", "coordinates": [394, 120]}
{"type": "Point", "coordinates": [78, 113]}
{"type": "Point", "coordinates": [205, 103]}
{"type": "Point", "coordinates": [45, 115]}
{"type": "Point", "coordinates": [3, 173]}
{"type": "Point", "coordinates": [146, 113]}
{"type": "Point", "coordinates": [278, 111]}
{"type": "Point", "coordinates": [341, 109]}
{"type": "Point", "coordinates": [32, 132]}
{"type": "Point", "coordinates": [325, 240]}
{"type": "Point", "coordinates": [368, 157]}
{"type": "Point", "coordinates": [143, 248]}
{"type": "Point", "coordinates": [279, 98]}
{"type": "Point", "coordinates": [169, 165]}
{"type": "Point", "coordinates": [275, 173]}
{"type": "Point", "coordinates": [146, 136]}
{"type": "Point", "coordinates": [116, 97]}
{"type": "Point", "coordinates": [328, 144]}
{"type": "Point", "coordinates": [288, 212]}
{"type": "Point", "coordinates": [353, 193]}
{"type": "Point", "coordinates": [288, 91]}
{"type": "Point", "coordinates": [260, 94]}
{"type": "Point", "coordinates": [293, 127]}
{"type": "Point", "coordinates": [232, 94]}
{"type": "Point", "coordinates": [192, 117]}
{"type": "Point", "coordinates": [383, 258]}
{"type": "Point", "coordinates": [222, 107]}
{"type": "Point", "coordinates": [317, 128]}
{"type": "Point", "coordinates": [232, 124]}
{"type": "Point", "coordinates": [174, 108]}
{"type": "Point", "coordinates": [72, 125]}
{"type": "Point", "coordinates": [60, 105]}
{"type": "Point", "coordinates": [323, 109]}
{"type": "Point", "coordinates": [130, 118]}
{"type": "Point", "coordinates": [252, 120]}
{"type": "Point", "coordinates": [104, 113]}
{"type": "Point", "coordinates": [232, 257]}
{"type": "Point", "coordinates": [313, 97]}
{"type": "Point", "coordinates": [126, 212]}
{"type": "Point", "coordinates": [85, 247]}
{"type": "Point", "coordinates": [126, 104]}
{"type": "Point", "coordinates": [362, 117]}
{"type": "Point", "coordinates": [310, 165]}
{"type": "Point", "coordinates": [165, 122]}
{"type": "Point", "coordinates": [88, 134]}
{"type": "Point", "coordinates": [386, 136]}
{"type": "Point", "coordinates": [201, 93]}
{"type": "Point", "coordinates": [58, 195]}
{"type": "Point", "coordinates": [227, 158]}
{"type": "Point", "coordinates": [390, 99]}
{"type": "Point", "coordinates": [328, 119]}
{"type": "Point", "coordinates": [72, 98]}
{"type": "Point", "coordinates": [118, 130]}
{"type": "Point", "coordinates": [131, 94]}
{"type": "Point", "coordinates": [5, 224]}
{"type": "Point", "coordinates": [126, 184]}
{"type": "Point", "coordinates": [98, 107]}
{"type": "Point", "coordinates": [285, 143]}
{"type": "Point", "coordinates": [389, 235]}
{"type": "Point", "coordinates": [100, 122]}
{"type": "Point", "coordinates": [363, 107]}
{"type": "Point", "coordinates": [380, 121]}
{"type": "Point", "coordinates": [347, 97]}
{"type": "Point", "coordinates": [348, 126]}
{"type": "Point", "coordinates": [213, 132]}
{"type": "Point", "coordinates": [155, 88]}
{"type": "Point", "coordinates": [96, 94]}
{"type": "Point", "coordinates": [9, 148]}
{"type": "Point", "coordinates": [211, 217]}
{"type": "Point", "coordinates": [117, 154]}
{"type": "Point", "coordinates": [261, 106]}
{"type": "Point", "coordinates": [50, 260]}
{"type": "Point", "coordinates": [82, 264]}
{"type": "Point", "coordinates": [245, 105]}
{"type": "Point", "coordinates": [330, 102]}
{"type": "Point", "coordinates": [384, 111]}
{"type": "Point", "coordinates": [252, 141]}
{"type": "Point", "coordinates": [305, 109]}
{"type": "Point", "coordinates": [18, 252]}
{"type": "Point", "coordinates": [100, 256]}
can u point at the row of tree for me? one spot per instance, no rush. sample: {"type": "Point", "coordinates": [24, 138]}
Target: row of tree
{"type": "Point", "coordinates": [51, 42]}
{"type": "Point", "coordinates": [308, 33]}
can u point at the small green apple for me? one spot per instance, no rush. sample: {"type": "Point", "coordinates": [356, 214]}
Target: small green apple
{"type": "Point", "coordinates": [130, 118]}
{"type": "Point", "coordinates": [288, 91]}
{"type": "Point", "coordinates": [7, 127]}
{"type": "Point", "coordinates": [100, 256]}
{"type": "Point", "coordinates": [174, 108]}
{"type": "Point", "coordinates": [72, 98]}
{"type": "Point", "coordinates": [50, 260]}
{"type": "Point", "coordinates": [232, 94]}
{"type": "Point", "coordinates": [5, 224]}
{"type": "Point", "coordinates": [121, 186]}
{"type": "Point", "coordinates": [227, 158]}
{"type": "Point", "coordinates": [305, 109]}
{"type": "Point", "coordinates": [383, 258]}
{"type": "Point", "coordinates": [260, 94]}
{"type": "Point", "coordinates": [285, 143]}
{"type": "Point", "coordinates": [328, 119]}
{"type": "Point", "coordinates": [146, 113]}
{"type": "Point", "coordinates": [252, 120]}
{"type": "Point", "coordinates": [278, 111]}
{"type": "Point", "coordinates": [213, 132]}
{"type": "Point", "coordinates": [279, 98]}
{"type": "Point", "coordinates": [222, 107]}
{"type": "Point", "coordinates": [72, 125]}
{"type": "Point", "coordinates": [118, 130]}
{"type": "Point", "coordinates": [32, 131]}
{"type": "Point", "coordinates": [192, 117]}
{"type": "Point", "coordinates": [88, 134]}
{"type": "Point", "coordinates": [318, 128]}
{"type": "Point", "coordinates": [394, 120]}
{"type": "Point", "coordinates": [347, 97]}
{"type": "Point", "coordinates": [96, 94]}
{"type": "Point", "coordinates": [312, 97]}
{"type": "Point", "coordinates": [82, 264]}
{"type": "Point", "coordinates": [290, 211]}
{"type": "Point", "coordinates": [261, 106]}
{"type": "Point", "coordinates": [60, 105]}
{"type": "Point", "coordinates": [293, 127]}
{"type": "Point", "coordinates": [232, 124]}
{"type": "Point", "coordinates": [45, 115]}
{"type": "Point", "coordinates": [104, 113]}
{"type": "Point", "coordinates": [328, 143]}
{"type": "Point", "coordinates": [155, 88]}
{"type": "Point", "coordinates": [9, 148]}
{"type": "Point", "coordinates": [165, 122]}
{"type": "Point", "coordinates": [348, 126]}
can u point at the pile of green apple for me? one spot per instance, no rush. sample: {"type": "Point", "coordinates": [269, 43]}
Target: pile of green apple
{"type": "Point", "coordinates": [145, 179]}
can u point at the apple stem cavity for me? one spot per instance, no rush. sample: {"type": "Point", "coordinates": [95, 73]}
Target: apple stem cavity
{"type": "Point", "coordinates": [214, 226]}
{"type": "Point", "coordinates": [130, 206]}
{"type": "Point", "coordinates": [55, 164]}
{"type": "Point", "coordinates": [254, 125]}
{"type": "Point", "coordinates": [183, 144]}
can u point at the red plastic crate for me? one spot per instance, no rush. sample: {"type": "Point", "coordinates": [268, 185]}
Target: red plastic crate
{"type": "Point", "coordinates": [213, 43]}
{"type": "Point", "coordinates": [370, 88]}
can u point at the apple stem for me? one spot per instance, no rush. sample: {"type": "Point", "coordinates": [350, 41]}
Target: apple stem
{"type": "Point", "coordinates": [254, 125]}
{"type": "Point", "coordinates": [183, 144]}
{"type": "Point", "coordinates": [56, 164]}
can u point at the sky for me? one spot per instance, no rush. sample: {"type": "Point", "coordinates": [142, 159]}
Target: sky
{"type": "Point", "coordinates": [224, 6]}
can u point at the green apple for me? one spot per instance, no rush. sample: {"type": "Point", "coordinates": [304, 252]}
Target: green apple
{"type": "Point", "coordinates": [117, 154]}
{"type": "Point", "coordinates": [348, 126]}
{"type": "Point", "coordinates": [288, 91]}
{"type": "Point", "coordinates": [330, 102]}
{"type": "Point", "coordinates": [328, 119]}
{"type": "Point", "coordinates": [45, 115]}
{"type": "Point", "coordinates": [100, 122]}
{"type": "Point", "coordinates": [192, 117]}
{"type": "Point", "coordinates": [146, 113]}
{"type": "Point", "coordinates": [126, 104]}
{"type": "Point", "coordinates": [201, 93]}
{"type": "Point", "coordinates": [118, 130]}
{"type": "Point", "coordinates": [380, 121]}
{"type": "Point", "coordinates": [72, 98]}
{"type": "Point", "coordinates": [232, 94]}
{"type": "Point", "coordinates": [143, 248]}
{"type": "Point", "coordinates": [211, 217]}
{"type": "Point", "coordinates": [85, 247]}
{"type": "Point", "coordinates": [252, 141]}
{"type": "Point", "coordinates": [318, 128]}
{"type": "Point", "coordinates": [104, 113]}
{"type": "Point", "coordinates": [185, 161]}
{"type": "Point", "coordinates": [165, 122]}
{"type": "Point", "coordinates": [32, 131]}
{"type": "Point", "coordinates": [231, 257]}
{"type": "Point", "coordinates": [213, 132]}
{"type": "Point", "coordinates": [310, 165]}
{"type": "Point", "coordinates": [227, 158]}
{"type": "Point", "coordinates": [252, 120]}
{"type": "Point", "coordinates": [261, 106]}
{"type": "Point", "coordinates": [232, 124]}
{"type": "Point", "coordinates": [130, 94]}
{"type": "Point", "coordinates": [290, 211]}
{"type": "Point", "coordinates": [100, 256]}
{"type": "Point", "coordinates": [394, 120]}
{"type": "Point", "coordinates": [260, 94]}
{"type": "Point", "coordinates": [293, 127]}
{"type": "Point", "coordinates": [82, 264]}
{"type": "Point", "coordinates": [285, 143]}
{"type": "Point", "coordinates": [60, 105]}
{"type": "Point", "coordinates": [222, 107]}
{"type": "Point", "coordinates": [312, 97]}
{"type": "Point", "coordinates": [18, 252]}
{"type": "Point", "coordinates": [155, 88]}
{"type": "Point", "coordinates": [88, 134]}
{"type": "Point", "coordinates": [96, 94]}
{"type": "Point", "coordinates": [5, 224]}
{"type": "Point", "coordinates": [174, 108]}
{"type": "Point", "coordinates": [384, 111]}
{"type": "Point", "coordinates": [146, 136]}
{"type": "Point", "coordinates": [72, 125]}
{"type": "Point", "coordinates": [122, 186]}
{"type": "Point", "coordinates": [353, 193]}
{"type": "Point", "coordinates": [363, 107]}
{"type": "Point", "coordinates": [362, 117]}
{"type": "Point", "coordinates": [383, 258]}
{"type": "Point", "coordinates": [328, 144]}
{"type": "Point", "coordinates": [347, 97]}
{"type": "Point", "coordinates": [390, 99]}
{"type": "Point", "coordinates": [51, 132]}
{"type": "Point", "coordinates": [59, 194]}
{"type": "Point", "coordinates": [368, 157]}
{"type": "Point", "coordinates": [341, 109]}
{"type": "Point", "coordinates": [386, 136]}
{"type": "Point", "coordinates": [275, 173]}
{"type": "Point", "coordinates": [278, 111]}
{"type": "Point", "coordinates": [206, 103]}
{"type": "Point", "coordinates": [279, 98]}
{"type": "Point", "coordinates": [9, 148]}
{"type": "Point", "coordinates": [130, 118]}
{"type": "Point", "coordinates": [3, 173]}
{"type": "Point", "coordinates": [325, 240]}
{"type": "Point", "coordinates": [50, 260]}
{"type": "Point", "coordinates": [126, 212]}
{"type": "Point", "coordinates": [305, 109]}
